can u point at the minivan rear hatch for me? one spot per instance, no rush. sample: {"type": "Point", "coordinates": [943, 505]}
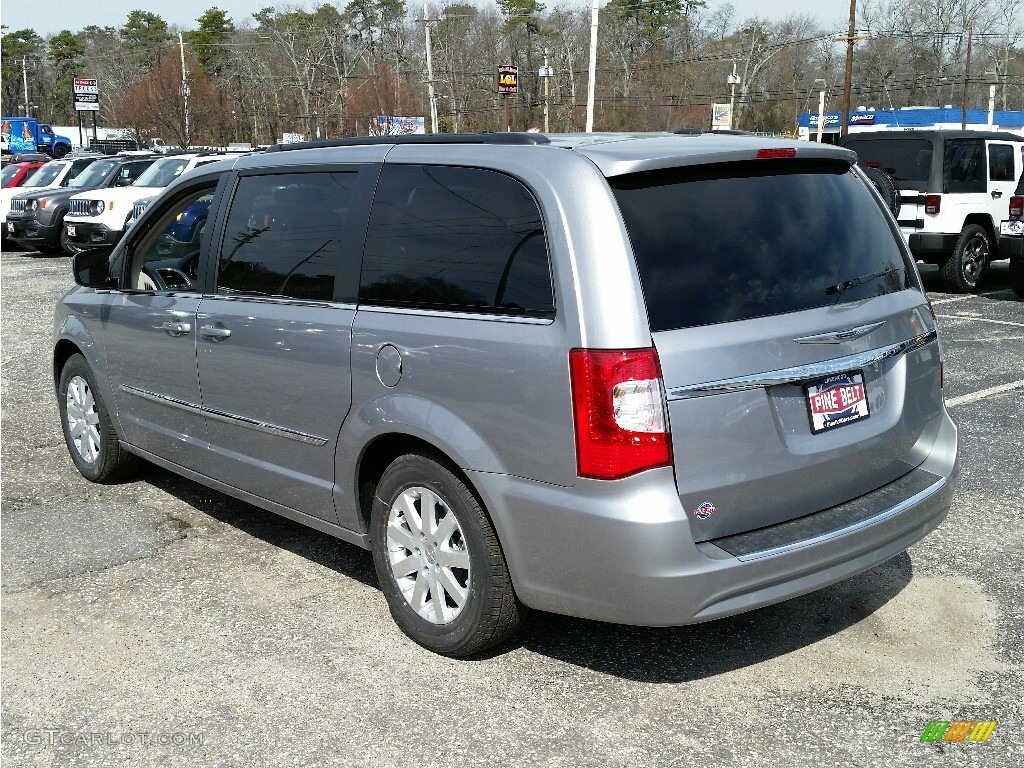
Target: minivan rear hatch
{"type": "Point", "coordinates": [797, 349]}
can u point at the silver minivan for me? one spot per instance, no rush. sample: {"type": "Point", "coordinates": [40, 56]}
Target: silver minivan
{"type": "Point", "coordinates": [647, 379]}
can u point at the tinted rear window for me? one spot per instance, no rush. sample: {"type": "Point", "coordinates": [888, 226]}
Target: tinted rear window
{"type": "Point", "coordinates": [720, 243]}
{"type": "Point", "coordinates": [908, 161]}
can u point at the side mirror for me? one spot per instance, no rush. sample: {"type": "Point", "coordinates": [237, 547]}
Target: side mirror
{"type": "Point", "coordinates": [91, 269]}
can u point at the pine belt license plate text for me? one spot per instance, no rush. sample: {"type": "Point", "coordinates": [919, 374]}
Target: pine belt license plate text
{"type": "Point", "coordinates": [837, 401]}
{"type": "Point", "coordinates": [1012, 227]}
{"type": "Point", "coordinates": [71, 230]}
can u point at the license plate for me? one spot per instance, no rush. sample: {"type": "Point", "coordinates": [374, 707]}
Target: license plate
{"type": "Point", "coordinates": [71, 230]}
{"type": "Point", "coordinates": [837, 401]}
{"type": "Point", "coordinates": [1011, 227]}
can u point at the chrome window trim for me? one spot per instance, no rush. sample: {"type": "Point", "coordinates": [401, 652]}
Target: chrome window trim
{"type": "Point", "coordinates": [258, 299]}
{"type": "Point", "coordinates": [486, 316]}
{"type": "Point", "coordinates": [242, 421]}
{"type": "Point", "coordinates": [802, 372]}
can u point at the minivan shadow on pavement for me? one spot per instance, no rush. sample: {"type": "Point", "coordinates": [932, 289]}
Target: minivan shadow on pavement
{"type": "Point", "coordinates": [645, 654]}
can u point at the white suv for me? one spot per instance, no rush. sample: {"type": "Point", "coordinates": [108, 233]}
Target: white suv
{"type": "Point", "coordinates": [954, 188]}
{"type": "Point", "coordinates": [97, 219]}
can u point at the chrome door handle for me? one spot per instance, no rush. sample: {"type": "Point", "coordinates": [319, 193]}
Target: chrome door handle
{"type": "Point", "coordinates": [212, 332]}
{"type": "Point", "coordinates": [176, 329]}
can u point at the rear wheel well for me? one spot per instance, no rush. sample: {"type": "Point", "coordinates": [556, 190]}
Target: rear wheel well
{"type": "Point", "coordinates": [378, 457]}
{"type": "Point", "coordinates": [64, 350]}
{"type": "Point", "coordinates": [985, 222]}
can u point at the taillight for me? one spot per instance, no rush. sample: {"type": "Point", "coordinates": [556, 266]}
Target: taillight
{"type": "Point", "coordinates": [619, 412]}
{"type": "Point", "coordinates": [932, 203]}
{"type": "Point", "coordinates": [874, 164]}
{"type": "Point", "coordinates": [1017, 206]}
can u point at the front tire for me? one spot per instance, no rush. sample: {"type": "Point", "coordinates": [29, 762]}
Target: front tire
{"type": "Point", "coordinates": [438, 560]}
{"type": "Point", "coordinates": [962, 271]}
{"type": "Point", "coordinates": [88, 430]}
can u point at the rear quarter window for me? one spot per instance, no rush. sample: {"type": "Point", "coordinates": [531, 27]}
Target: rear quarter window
{"type": "Point", "coordinates": [459, 239]}
{"type": "Point", "coordinates": [721, 243]}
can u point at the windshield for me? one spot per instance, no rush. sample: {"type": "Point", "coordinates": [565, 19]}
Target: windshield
{"type": "Point", "coordinates": [9, 173]}
{"type": "Point", "coordinates": [45, 175]}
{"type": "Point", "coordinates": [720, 243]}
{"type": "Point", "coordinates": [162, 172]}
{"type": "Point", "coordinates": [95, 174]}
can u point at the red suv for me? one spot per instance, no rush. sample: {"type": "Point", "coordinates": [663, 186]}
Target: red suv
{"type": "Point", "coordinates": [15, 174]}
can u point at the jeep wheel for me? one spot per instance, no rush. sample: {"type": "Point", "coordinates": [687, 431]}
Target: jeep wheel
{"type": "Point", "coordinates": [438, 560]}
{"type": "Point", "coordinates": [1017, 276]}
{"type": "Point", "coordinates": [886, 187]}
{"type": "Point", "coordinates": [970, 258]}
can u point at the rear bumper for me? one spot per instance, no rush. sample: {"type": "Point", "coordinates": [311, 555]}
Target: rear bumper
{"type": "Point", "coordinates": [931, 246]}
{"type": "Point", "coordinates": [88, 235]}
{"type": "Point", "coordinates": [1011, 247]}
{"type": "Point", "coordinates": [623, 552]}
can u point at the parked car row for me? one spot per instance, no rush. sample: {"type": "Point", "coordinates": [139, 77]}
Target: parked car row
{"type": "Point", "coordinates": [87, 202]}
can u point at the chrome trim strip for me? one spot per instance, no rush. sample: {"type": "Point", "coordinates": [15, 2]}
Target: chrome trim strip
{"type": "Point", "coordinates": [802, 372]}
{"type": "Point", "coordinates": [241, 421]}
{"type": "Point", "coordinates": [904, 505]}
{"type": "Point", "coordinates": [453, 314]}
{"type": "Point", "coordinates": [838, 337]}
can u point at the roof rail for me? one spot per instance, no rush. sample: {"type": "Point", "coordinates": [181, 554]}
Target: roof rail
{"type": "Point", "coordinates": [419, 138]}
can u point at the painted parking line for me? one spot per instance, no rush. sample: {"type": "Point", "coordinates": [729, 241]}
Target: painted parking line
{"type": "Point", "coordinates": [981, 320]}
{"type": "Point", "coordinates": [983, 393]}
{"type": "Point", "coordinates": [969, 296]}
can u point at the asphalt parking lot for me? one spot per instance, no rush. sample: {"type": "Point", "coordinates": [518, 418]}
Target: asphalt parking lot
{"type": "Point", "coordinates": [158, 623]}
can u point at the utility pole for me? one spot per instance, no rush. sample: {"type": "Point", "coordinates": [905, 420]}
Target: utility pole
{"type": "Point", "coordinates": [967, 74]}
{"type": "Point", "coordinates": [430, 74]}
{"type": "Point", "coordinates": [184, 88]}
{"type": "Point", "coordinates": [850, 39]}
{"type": "Point", "coordinates": [593, 66]}
{"type": "Point", "coordinates": [24, 79]}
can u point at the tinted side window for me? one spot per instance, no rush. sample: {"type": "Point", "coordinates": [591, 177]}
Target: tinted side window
{"type": "Point", "coordinates": [719, 243]}
{"type": "Point", "coordinates": [462, 239]}
{"type": "Point", "coordinates": [1000, 162]}
{"type": "Point", "coordinates": [285, 236]}
{"type": "Point", "coordinates": [964, 165]}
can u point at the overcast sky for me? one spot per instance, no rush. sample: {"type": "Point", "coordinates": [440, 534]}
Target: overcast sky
{"type": "Point", "coordinates": [51, 16]}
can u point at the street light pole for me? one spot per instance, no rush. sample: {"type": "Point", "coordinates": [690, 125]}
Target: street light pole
{"type": "Point", "coordinates": [546, 73]}
{"type": "Point", "coordinates": [593, 66]}
{"type": "Point", "coordinates": [733, 80]}
{"type": "Point", "coordinates": [430, 74]}
{"type": "Point", "coordinates": [821, 106]}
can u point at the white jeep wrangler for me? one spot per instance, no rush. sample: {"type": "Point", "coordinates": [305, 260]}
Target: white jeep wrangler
{"type": "Point", "coordinates": [954, 188]}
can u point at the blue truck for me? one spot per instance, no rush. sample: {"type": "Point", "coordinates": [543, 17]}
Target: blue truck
{"type": "Point", "coordinates": [26, 134]}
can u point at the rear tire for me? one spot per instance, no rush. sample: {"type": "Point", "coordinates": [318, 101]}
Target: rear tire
{"type": "Point", "coordinates": [1017, 276]}
{"type": "Point", "coordinates": [962, 271]}
{"type": "Point", "coordinates": [88, 430]}
{"type": "Point", "coordinates": [438, 560]}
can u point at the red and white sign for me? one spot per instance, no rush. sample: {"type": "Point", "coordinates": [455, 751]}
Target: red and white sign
{"type": "Point", "coordinates": [836, 401]}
